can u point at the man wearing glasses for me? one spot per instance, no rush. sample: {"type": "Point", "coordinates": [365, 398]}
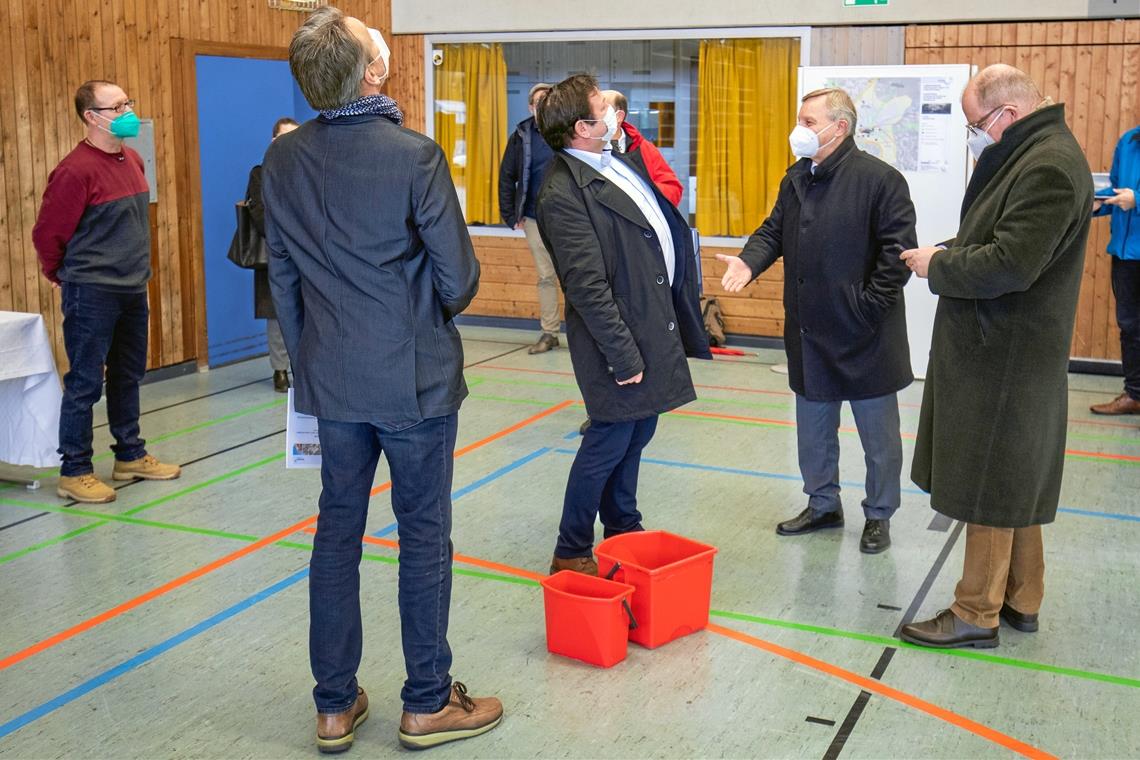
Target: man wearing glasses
{"type": "Point", "coordinates": [991, 433]}
{"type": "Point", "coordinates": [92, 237]}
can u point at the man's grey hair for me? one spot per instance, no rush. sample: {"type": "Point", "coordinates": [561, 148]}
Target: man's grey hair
{"type": "Point", "coordinates": [327, 61]}
{"type": "Point", "coordinates": [540, 88]}
{"type": "Point", "coordinates": [1002, 83]}
{"type": "Point", "coordinates": [839, 106]}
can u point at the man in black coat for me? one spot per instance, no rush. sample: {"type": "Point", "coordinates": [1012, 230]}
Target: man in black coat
{"type": "Point", "coordinates": [624, 256]}
{"type": "Point", "coordinates": [262, 299]}
{"type": "Point", "coordinates": [840, 221]}
{"type": "Point", "coordinates": [369, 261]}
{"type": "Point", "coordinates": [520, 175]}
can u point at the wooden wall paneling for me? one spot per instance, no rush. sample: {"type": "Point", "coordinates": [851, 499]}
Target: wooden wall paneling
{"type": "Point", "coordinates": [406, 84]}
{"type": "Point", "coordinates": [44, 26]}
{"type": "Point", "coordinates": [24, 153]}
{"type": "Point", "coordinates": [9, 179]}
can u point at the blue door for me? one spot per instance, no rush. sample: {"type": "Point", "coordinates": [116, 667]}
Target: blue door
{"type": "Point", "coordinates": [239, 99]}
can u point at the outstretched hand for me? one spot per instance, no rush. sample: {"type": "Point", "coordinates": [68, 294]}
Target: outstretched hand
{"type": "Point", "coordinates": [737, 275]}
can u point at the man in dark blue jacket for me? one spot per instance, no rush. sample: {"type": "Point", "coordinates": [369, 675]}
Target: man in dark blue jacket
{"type": "Point", "coordinates": [369, 262]}
{"type": "Point", "coordinates": [1124, 247]}
{"type": "Point", "coordinates": [520, 175]}
{"type": "Point", "coordinates": [840, 221]}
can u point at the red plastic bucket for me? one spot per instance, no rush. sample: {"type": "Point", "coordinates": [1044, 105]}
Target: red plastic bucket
{"type": "Point", "coordinates": [673, 578]}
{"type": "Point", "coordinates": [587, 618]}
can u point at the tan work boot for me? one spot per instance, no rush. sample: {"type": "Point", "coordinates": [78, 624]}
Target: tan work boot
{"type": "Point", "coordinates": [584, 565]}
{"type": "Point", "coordinates": [85, 488]}
{"type": "Point", "coordinates": [145, 468]}
{"type": "Point", "coordinates": [336, 731]}
{"type": "Point", "coordinates": [462, 718]}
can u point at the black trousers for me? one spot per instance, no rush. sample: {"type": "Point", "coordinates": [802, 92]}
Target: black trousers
{"type": "Point", "coordinates": [1126, 288]}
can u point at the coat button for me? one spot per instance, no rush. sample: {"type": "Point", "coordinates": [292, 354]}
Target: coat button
{"type": "Point", "coordinates": [660, 280]}
{"type": "Point", "coordinates": [671, 325]}
{"type": "Point", "coordinates": [800, 281]}
{"type": "Point", "coordinates": [647, 234]}
{"type": "Point", "coordinates": [803, 331]}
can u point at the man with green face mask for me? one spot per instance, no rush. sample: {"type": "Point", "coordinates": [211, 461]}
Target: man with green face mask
{"type": "Point", "coordinates": [92, 237]}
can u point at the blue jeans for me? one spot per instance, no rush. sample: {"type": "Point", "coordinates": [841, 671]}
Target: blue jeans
{"type": "Point", "coordinates": [420, 461]}
{"type": "Point", "coordinates": [1126, 288]}
{"type": "Point", "coordinates": [877, 420]}
{"type": "Point", "coordinates": [101, 328]}
{"type": "Point", "coordinates": [603, 479]}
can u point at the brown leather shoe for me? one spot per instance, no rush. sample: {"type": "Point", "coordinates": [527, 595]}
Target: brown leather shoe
{"type": "Point", "coordinates": [1122, 404]}
{"type": "Point", "coordinates": [545, 342]}
{"type": "Point", "coordinates": [584, 565]}
{"type": "Point", "coordinates": [335, 731]}
{"type": "Point", "coordinates": [462, 718]}
{"type": "Point", "coordinates": [948, 631]}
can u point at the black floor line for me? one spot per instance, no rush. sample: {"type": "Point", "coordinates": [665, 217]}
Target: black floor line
{"type": "Point", "coordinates": [121, 485]}
{"type": "Point", "coordinates": [195, 398]}
{"type": "Point", "coordinates": [493, 358]}
{"type": "Point", "coordinates": [856, 711]}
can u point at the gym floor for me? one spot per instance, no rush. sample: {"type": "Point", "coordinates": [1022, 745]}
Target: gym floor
{"type": "Point", "coordinates": [173, 622]}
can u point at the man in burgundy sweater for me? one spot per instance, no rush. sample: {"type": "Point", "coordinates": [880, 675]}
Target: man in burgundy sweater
{"type": "Point", "coordinates": [92, 237]}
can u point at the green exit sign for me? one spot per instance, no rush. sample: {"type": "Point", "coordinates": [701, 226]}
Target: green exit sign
{"type": "Point", "coordinates": [852, 3]}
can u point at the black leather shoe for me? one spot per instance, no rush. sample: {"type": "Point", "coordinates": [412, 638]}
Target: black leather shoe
{"type": "Point", "coordinates": [545, 342]}
{"type": "Point", "coordinates": [948, 631]}
{"type": "Point", "coordinates": [806, 522]}
{"type": "Point", "coordinates": [280, 380]}
{"type": "Point", "coordinates": [584, 427]}
{"type": "Point", "coordinates": [876, 536]}
{"type": "Point", "coordinates": [1019, 620]}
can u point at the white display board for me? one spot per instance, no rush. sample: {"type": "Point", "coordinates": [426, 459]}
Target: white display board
{"type": "Point", "coordinates": [911, 117]}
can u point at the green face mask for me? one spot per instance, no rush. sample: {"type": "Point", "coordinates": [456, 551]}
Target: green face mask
{"type": "Point", "coordinates": [126, 125]}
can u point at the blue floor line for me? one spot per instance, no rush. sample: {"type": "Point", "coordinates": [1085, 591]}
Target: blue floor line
{"type": "Point", "coordinates": [152, 652]}
{"type": "Point", "coordinates": [844, 483]}
{"type": "Point", "coordinates": [146, 656]}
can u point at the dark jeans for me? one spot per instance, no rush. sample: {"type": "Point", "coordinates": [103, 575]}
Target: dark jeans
{"type": "Point", "coordinates": [420, 461]}
{"type": "Point", "coordinates": [101, 328]}
{"type": "Point", "coordinates": [603, 479]}
{"type": "Point", "coordinates": [817, 432]}
{"type": "Point", "coordinates": [1126, 288]}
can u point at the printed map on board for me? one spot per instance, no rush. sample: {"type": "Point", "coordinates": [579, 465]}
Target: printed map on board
{"type": "Point", "coordinates": [889, 111]}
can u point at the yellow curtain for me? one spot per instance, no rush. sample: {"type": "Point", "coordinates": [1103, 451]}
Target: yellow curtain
{"type": "Point", "coordinates": [747, 106]}
{"type": "Point", "coordinates": [471, 123]}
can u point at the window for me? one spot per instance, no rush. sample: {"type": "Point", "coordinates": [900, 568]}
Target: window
{"type": "Point", "coordinates": [719, 110]}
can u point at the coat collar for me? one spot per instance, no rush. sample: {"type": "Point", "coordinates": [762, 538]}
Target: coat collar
{"type": "Point", "coordinates": [1020, 135]}
{"type": "Point", "coordinates": [607, 193]}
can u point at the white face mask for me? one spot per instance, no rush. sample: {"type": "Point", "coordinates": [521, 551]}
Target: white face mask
{"type": "Point", "coordinates": [611, 122]}
{"type": "Point", "coordinates": [805, 142]}
{"type": "Point", "coordinates": [385, 53]}
{"type": "Point", "coordinates": [979, 141]}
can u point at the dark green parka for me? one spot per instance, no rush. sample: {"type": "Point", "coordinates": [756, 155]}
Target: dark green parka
{"type": "Point", "coordinates": [991, 436]}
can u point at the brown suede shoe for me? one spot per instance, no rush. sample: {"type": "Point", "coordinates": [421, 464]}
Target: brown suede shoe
{"type": "Point", "coordinates": [462, 718]}
{"type": "Point", "coordinates": [335, 731]}
{"type": "Point", "coordinates": [545, 342]}
{"type": "Point", "coordinates": [85, 488]}
{"type": "Point", "coordinates": [584, 565]}
{"type": "Point", "coordinates": [145, 467]}
{"type": "Point", "coordinates": [1122, 404]}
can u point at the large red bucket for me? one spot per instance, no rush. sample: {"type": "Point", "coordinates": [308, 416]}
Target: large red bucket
{"type": "Point", "coordinates": [587, 618]}
{"type": "Point", "coordinates": [673, 578]}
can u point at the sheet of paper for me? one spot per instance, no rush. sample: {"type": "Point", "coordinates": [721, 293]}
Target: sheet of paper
{"type": "Point", "coordinates": [302, 446]}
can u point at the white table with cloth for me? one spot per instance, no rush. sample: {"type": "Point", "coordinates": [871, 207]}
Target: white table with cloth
{"type": "Point", "coordinates": [30, 392]}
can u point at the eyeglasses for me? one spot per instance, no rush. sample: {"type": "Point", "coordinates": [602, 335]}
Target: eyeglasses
{"type": "Point", "coordinates": [120, 108]}
{"type": "Point", "coordinates": [974, 127]}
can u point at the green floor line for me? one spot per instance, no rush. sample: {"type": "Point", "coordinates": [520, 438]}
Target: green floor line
{"type": "Point", "coordinates": [774, 622]}
{"type": "Point", "coordinates": [1089, 675]}
{"type": "Point", "coordinates": [105, 519]}
{"type": "Point", "coordinates": [177, 433]}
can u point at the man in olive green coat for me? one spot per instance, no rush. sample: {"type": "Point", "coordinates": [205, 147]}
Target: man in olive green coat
{"type": "Point", "coordinates": [991, 435]}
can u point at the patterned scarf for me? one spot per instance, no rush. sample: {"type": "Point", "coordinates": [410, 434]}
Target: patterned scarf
{"type": "Point", "coordinates": [378, 104]}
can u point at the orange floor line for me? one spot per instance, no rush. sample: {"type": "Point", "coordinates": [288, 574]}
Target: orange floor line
{"type": "Point", "coordinates": [870, 684]}
{"type": "Point", "coordinates": [877, 687]}
{"type": "Point", "coordinates": [166, 588]}
{"type": "Point", "coordinates": [154, 593]}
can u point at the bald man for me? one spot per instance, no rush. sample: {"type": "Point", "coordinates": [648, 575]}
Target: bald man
{"type": "Point", "coordinates": [991, 434]}
{"type": "Point", "coordinates": [629, 141]}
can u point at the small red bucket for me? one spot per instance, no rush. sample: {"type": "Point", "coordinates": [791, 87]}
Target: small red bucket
{"type": "Point", "coordinates": [587, 618]}
{"type": "Point", "coordinates": [673, 578]}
